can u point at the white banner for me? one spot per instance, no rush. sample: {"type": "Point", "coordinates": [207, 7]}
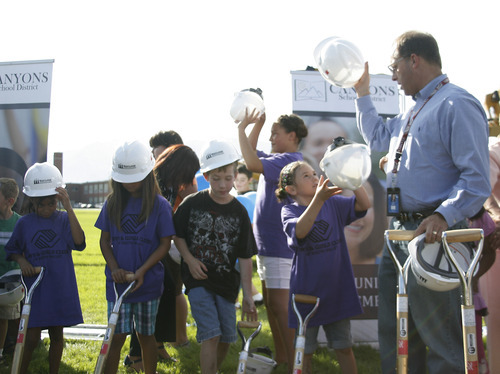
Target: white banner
{"type": "Point", "coordinates": [25, 88]}
{"type": "Point", "coordinates": [25, 82]}
{"type": "Point", "coordinates": [312, 93]}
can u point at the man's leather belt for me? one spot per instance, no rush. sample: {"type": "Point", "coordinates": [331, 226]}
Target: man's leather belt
{"type": "Point", "coordinates": [414, 216]}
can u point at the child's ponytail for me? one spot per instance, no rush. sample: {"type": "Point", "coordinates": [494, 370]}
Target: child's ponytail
{"type": "Point", "coordinates": [287, 178]}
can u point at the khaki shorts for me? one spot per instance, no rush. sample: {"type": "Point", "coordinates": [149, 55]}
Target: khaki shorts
{"type": "Point", "coordinates": [10, 311]}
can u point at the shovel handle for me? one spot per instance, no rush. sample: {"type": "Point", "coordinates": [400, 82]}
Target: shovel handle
{"type": "Point", "coordinates": [248, 324]}
{"type": "Point", "coordinates": [463, 235]}
{"type": "Point", "coordinates": [400, 235]}
{"type": "Point", "coordinates": [305, 299]}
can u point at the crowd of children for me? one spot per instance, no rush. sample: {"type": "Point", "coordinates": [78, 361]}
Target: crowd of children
{"type": "Point", "coordinates": [212, 232]}
{"type": "Point", "coordinates": [297, 235]}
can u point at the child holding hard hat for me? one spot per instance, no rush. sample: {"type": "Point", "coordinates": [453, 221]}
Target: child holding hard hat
{"type": "Point", "coordinates": [45, 238]}
{"type": "Point", "coordinates": [314, 226]}
{"type": "Point", "coordinates": [274, 258]}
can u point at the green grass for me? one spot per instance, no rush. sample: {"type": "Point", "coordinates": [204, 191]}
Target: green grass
{"type": "Point", "coordinates": [79, 356]}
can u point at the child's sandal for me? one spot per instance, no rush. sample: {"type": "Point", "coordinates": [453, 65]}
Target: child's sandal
{"type": "Point", "coordinates": [186, 344]}
{"type": "Point", "coordinates": [128, 362]}
{"type": "Point", "coordinates": [164, 356]}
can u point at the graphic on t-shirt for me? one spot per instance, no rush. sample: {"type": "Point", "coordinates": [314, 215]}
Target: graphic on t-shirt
{"type": "Point", "coordinates": [320, 239]}
{"type": "Point", "coordinates": [214, 237]}
{"type": "Point", "coordinates": [320, 231]}
{"type": "Point", "coordinates": [45, 239]}
{"type": "Point", "coordinates": [131, 224]}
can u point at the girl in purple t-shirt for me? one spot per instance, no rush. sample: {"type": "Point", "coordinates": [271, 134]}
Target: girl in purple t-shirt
{"type": "Point", "coordinates": [137, 228]}
{"type": "Point", "coordinates": [274, 256]}
{"type": "Point", "coordinates": [46, 238]}
{"type": "Point", "coordinates": [314, 225]}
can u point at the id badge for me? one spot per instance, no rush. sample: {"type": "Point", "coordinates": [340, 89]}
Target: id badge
{"type": "Point", "coordinates": [393, 201]}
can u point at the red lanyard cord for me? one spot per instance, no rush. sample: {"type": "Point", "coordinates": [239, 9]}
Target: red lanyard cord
{"type": "Point", "coordinates": [399, 151]}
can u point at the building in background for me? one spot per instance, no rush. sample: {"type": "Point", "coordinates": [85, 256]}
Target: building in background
{"type": "Point", "coordinates": [88, 194]}
{"type": "Point", "coordinates": [84, 195]}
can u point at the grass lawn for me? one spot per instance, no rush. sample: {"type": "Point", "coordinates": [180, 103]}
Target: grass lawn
{"type": "Point", "coordinates": [80, 355]}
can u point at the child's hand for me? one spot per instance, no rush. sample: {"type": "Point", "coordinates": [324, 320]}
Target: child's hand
{"type": "Point", "coordinates": [27, 269]}
{"type": "Point", "coordinates": [138, 277]}
{"type": "Point", "coordinates": [197, 269]}
{"type": "Point", "coordinates": [120, 275]}
{"type": "Point", "coordinates": [324, 192]}
{"type": "Point", "coordinates": [248, 310]}
{"type": "Point", "coordinates": [63, 197]}
{"type": "Point", "coordinates": [253, 117]}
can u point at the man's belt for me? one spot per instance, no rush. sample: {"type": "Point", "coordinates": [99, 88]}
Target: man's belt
{"type": "Point", "coordinates": [414, 216]}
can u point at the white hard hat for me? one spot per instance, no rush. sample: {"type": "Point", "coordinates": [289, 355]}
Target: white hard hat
{"type": "Point", "coordinates": [132, 162]}
{"type": "Point", "coordinates": [11, 288]}
{"type": "Point", "coordinates": [42, 179]}
{"type": "Point", "coordinates": [347, 164]}
{"type": "Point", "coordinates": [431, 267]}
{"type": "Point", "coordinates": [248, 98]}
{"type": "Point", "coordinates": [339, 61]}
{"type": "Point", "coordinates": [217, 154]}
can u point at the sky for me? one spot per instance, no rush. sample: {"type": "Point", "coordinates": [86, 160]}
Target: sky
{"type": "Point", "coordinates": [125, 70]}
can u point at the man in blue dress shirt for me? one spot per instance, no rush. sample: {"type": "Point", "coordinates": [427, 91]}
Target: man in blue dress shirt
{"type": "Point", "coordinates": [437, 176]}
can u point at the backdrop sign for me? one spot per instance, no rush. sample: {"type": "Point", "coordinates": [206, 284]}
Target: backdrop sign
{"type": "Point", "coordinates": [25, 88]}
{"type": "Point", "coordinates": [329, 112]}
{"type": "Point", "coordinates": [311, 93]}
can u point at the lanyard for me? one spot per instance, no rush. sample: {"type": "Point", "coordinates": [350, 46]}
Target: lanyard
{"type": "Point", "coordinates": [399, 151]}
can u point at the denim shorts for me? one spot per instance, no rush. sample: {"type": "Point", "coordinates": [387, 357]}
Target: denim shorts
{"type": "Point", "coordinates": [275, 271]}
{"type": "Point", "coordinates": [142, 314]}
{"type": "Point", "coordinates": [338, 336]}
{"type": "Point", "coordinates": [214, 315]}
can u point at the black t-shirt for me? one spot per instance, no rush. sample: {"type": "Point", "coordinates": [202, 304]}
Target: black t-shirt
{"type": "Point", "coordinates": [216, 234]}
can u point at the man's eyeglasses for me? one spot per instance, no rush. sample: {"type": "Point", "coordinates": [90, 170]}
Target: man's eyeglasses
{"type": "Point", "coordinates": [394, 66]}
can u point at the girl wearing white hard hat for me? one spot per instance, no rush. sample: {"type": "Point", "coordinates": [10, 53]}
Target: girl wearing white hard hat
{"type": "Point", "coordinates": [45, 238]}
{"type": "Point", "coordinates": [136, 230]}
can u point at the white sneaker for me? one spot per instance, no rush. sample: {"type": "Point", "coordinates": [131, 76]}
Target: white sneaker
{"type": "Point", "coordinates": [258, 299]}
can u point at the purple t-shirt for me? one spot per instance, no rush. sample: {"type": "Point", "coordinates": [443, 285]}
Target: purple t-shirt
{"type": "Point", "coordinates": [268, 231]}
{"type": "Point", "coordinates": [48, 242]}
{"type": "Point", "coordinates": [134, 243]}
{"type": "Point", "coordinates": [321, 264]}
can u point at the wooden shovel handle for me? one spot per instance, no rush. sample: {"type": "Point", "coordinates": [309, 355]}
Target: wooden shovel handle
{"type": "Point", "coordinates": [401, 235]}
{"type": "Point", "coordinates": [305, 299]}
{"type": "Point", "coordinates": [463, 235]}
{"type": "Point", "coordinates": [248, 324]}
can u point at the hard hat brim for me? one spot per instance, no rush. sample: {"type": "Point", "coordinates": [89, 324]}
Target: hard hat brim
{"type": "Point", "coordinates": [430, 276]}
{"type": "Point", "coordinates": [132, 178]}
{"type": "Point", "coordinates": [41, 193]}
